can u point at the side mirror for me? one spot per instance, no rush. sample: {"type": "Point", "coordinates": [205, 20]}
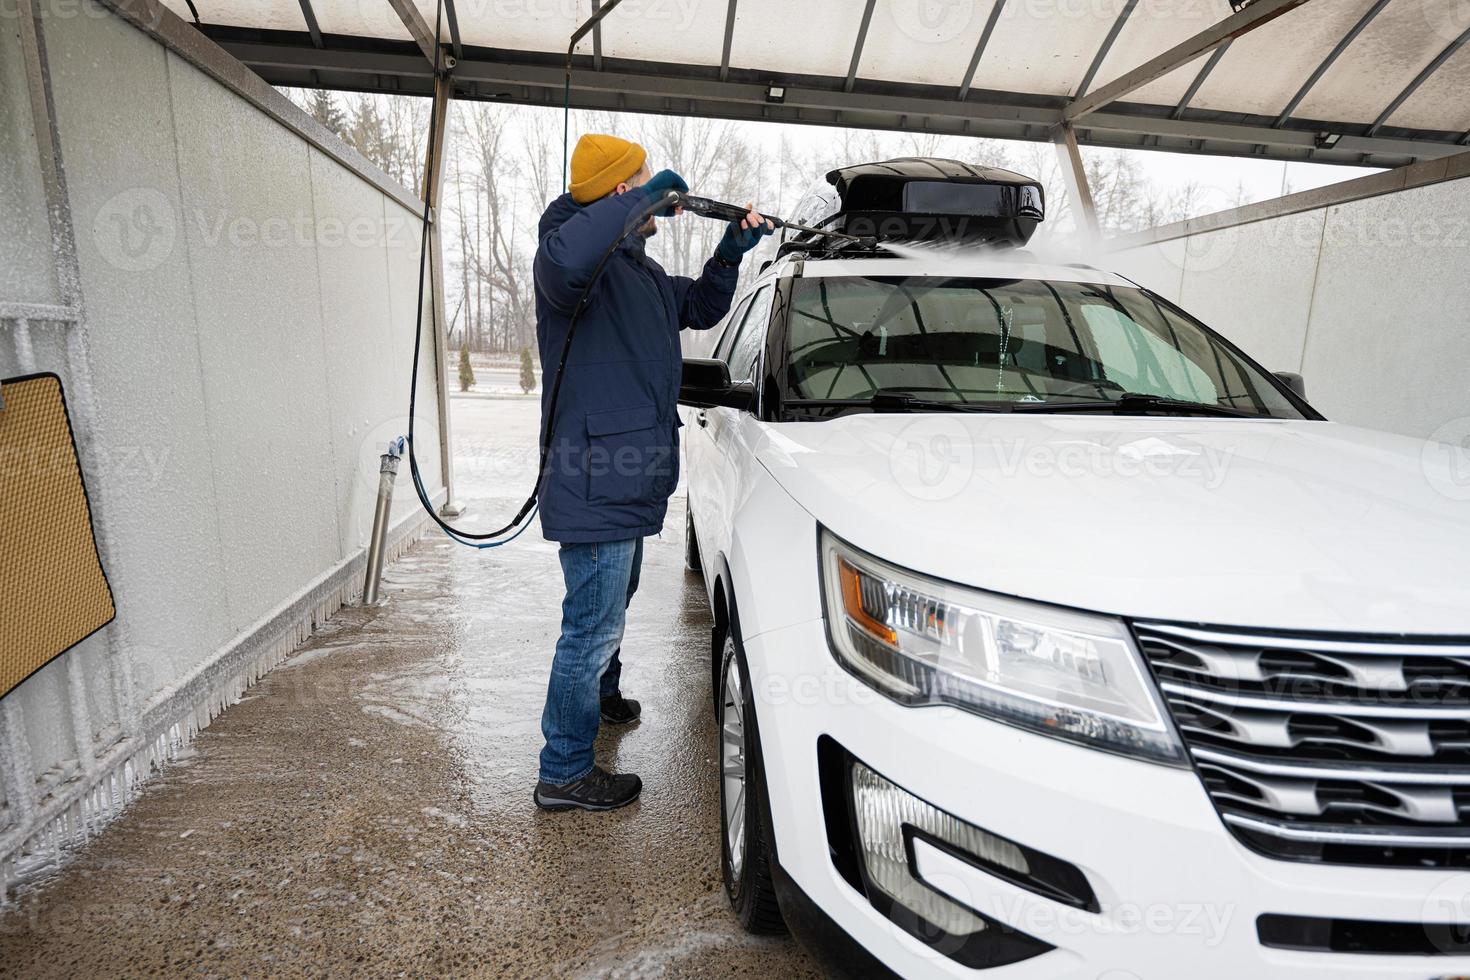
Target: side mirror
{"type": "Point", "coordinates": [706, 384]}
{"type": "Point", "coordinates": [1294, 381]}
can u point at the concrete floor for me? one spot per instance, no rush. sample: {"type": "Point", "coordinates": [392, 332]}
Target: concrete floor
{"type": "Point", "coordinates": [367, 806]}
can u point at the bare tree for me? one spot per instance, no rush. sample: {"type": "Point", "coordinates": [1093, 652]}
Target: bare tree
{"type": "Point", "coordinates": [541, 152]}
{"type": "Point", "coordinates": [406, 130]}
{"type": "Point", "coordinates": [504, 264]}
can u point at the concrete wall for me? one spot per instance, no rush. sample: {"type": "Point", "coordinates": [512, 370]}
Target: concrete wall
{"type": "Point", "coordinates": [248, 300]}
{"type": "Point", "coordinates": [1367, 295]}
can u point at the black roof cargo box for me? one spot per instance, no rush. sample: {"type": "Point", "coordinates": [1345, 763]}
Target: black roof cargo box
{"type": "Point", "coordinates": [924, 199]}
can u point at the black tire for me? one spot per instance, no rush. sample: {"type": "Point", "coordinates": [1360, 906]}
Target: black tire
{"type": "Point", "coordinates": [691, 543]}
{"type": "Point", "coordinates": [748, 880]}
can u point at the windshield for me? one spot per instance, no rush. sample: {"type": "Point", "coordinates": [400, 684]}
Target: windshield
{"type": "Point", "coordinates": [1008, 344]}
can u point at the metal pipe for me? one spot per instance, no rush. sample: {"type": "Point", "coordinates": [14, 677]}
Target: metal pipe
{"type": "Point", "coordinates": [387, 473]}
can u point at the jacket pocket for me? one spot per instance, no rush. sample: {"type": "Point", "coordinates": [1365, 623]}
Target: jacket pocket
{"type": "Point", "coordinates": [629, 458]}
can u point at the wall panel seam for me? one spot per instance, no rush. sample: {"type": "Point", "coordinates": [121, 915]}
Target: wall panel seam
{"type": "Point", "coordinates": [204, 402]}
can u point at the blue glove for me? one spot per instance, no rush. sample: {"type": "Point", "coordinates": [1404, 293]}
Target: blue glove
{"type": "Point", "coordinates": [660, 184]}
{"type": "Point", "coordinates": [738, 240]}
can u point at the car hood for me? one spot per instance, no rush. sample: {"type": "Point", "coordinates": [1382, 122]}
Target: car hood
{"type": "Point", "coordinates": [1278, 524]}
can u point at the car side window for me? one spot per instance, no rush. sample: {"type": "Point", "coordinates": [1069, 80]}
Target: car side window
{"type": "Point", "coordinates": [731, 329]}
{"type": "Point", "coordinates": [747, 348]}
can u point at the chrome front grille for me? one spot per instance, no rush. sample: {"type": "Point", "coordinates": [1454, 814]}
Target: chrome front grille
{"type": "Point", "coordinates": [1325, 747]}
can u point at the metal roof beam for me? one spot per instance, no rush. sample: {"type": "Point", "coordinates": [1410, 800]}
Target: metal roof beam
{"type": "Point", "coordinates": [1419, 80]}
{"type": "Point", "coordinates": [857, 49]}
{"type": "Point", "coordinates": [309, 15]}
{"type": "Point", "coordinates": [453, 19]}
{"type": "Point", "coordinates": [598, 13]}
{"type": "Point", "coordinates": [729, 37]}
{"type": "Point", "coordinates": [1199, 81]}
{"type": "Point", "coordinates": [1102, 53]}
{"type": "Point", "coordinates": [418, 29]}
{"type": "Point", "coordinates": [1327, 63]}
{"type": "Point", "coordinates": [980, 47]}
{"type": "Point", "coordinates": [1074, 176]}
{"type": "Point", "coordinates": [597, 37]}
{"type": "Point", "coordinates": [1241, 22]}
{"type": "Point", "coordinates": [1292, 143]}
{"type": "Point", "coordinates": [288, 59]}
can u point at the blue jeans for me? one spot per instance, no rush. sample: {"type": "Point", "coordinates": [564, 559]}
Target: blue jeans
{"type": "Point", "coordinates": [600, 579]}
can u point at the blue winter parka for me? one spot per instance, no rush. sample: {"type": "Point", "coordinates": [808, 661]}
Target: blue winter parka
{"type": "Point", "coordinates": [614, 457]}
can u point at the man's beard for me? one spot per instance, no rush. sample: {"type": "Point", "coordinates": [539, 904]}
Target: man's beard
{"type": "Point", "coordinates": [649, 229]}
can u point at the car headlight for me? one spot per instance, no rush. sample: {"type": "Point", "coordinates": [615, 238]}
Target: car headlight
{"type": "Point", "coordinates": [922, 641]}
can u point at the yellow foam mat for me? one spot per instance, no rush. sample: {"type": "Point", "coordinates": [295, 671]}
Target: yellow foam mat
{"type": "Point", "coordinates": [53, 591]}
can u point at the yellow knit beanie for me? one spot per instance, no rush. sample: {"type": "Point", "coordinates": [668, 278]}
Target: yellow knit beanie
{"type": "Point", "coordinates": [600, 163]}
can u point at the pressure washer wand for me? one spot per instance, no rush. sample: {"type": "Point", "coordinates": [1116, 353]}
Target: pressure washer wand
{"type": "Point", "coordinates": [708, 208]}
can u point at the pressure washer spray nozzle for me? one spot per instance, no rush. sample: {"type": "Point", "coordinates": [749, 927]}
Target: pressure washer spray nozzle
{"type": "Point", "coordinates": [708, 208]}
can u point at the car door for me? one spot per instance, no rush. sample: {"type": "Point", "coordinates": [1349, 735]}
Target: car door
{"type": "Point", "coordinates": [722, 464]}
{"type": "Point", "coordinates": [701, 463]}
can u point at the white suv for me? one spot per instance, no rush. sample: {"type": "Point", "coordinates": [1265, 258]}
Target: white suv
{"type": "Point", "coordinates": [1055, 636]}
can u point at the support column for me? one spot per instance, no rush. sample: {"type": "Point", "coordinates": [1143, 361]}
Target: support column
{"type": "Point", "coordinates": [433, 193]}
{"type": "Point", "coordinates": [1075, 174]}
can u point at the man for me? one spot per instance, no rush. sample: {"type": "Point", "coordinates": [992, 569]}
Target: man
{"type": "Point", "coordinates": [614, 440]}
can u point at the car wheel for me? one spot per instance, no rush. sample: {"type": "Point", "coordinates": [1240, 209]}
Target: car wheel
{"type": "Point", "coordinates": [744, 848]}
{"type": "Point", "coordinates": [691, 543]}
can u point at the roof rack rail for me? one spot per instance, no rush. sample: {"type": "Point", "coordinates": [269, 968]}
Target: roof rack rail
{"type": "Point", "coordinates": [828, 248]}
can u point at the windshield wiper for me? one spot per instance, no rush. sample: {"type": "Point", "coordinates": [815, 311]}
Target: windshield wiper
{"type": "Point", "coordinates": [1136, 404]}
{"type": "Point", "coordinates": [899, 400]}
{"type": "Point", "coordinates": [892, 400]}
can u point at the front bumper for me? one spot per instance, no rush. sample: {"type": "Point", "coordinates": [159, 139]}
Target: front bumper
{"type": "Point", "coordinates": [1177, 895]}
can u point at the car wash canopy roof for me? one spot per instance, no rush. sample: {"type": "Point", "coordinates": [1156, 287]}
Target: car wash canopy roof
{"type": "Point", "coordinates": [1378, 82]}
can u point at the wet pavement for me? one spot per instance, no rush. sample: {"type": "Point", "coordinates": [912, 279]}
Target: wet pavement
{"type": "Point", "coordinates": [367, 806]}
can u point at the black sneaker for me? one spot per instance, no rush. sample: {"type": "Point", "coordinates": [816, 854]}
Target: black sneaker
{"type": "Point", "coordinates": [618, 710]}
{"type": "Point", "coordinates": [598, 790]}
